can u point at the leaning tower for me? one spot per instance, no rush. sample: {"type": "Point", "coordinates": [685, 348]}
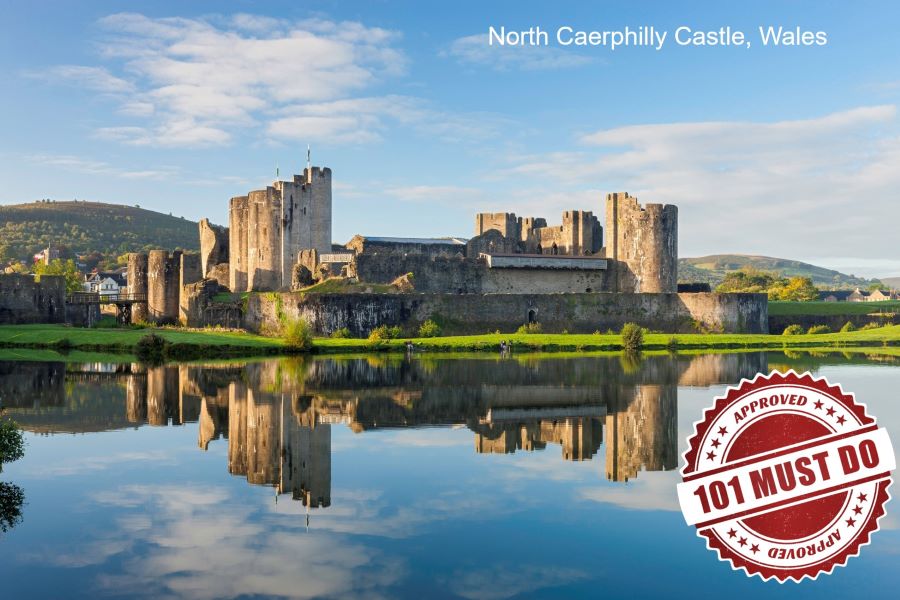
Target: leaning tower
{"type": "Point", "coordinates": [642, 244]}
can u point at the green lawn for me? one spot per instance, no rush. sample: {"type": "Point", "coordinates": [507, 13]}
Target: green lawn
{"type": "Point", "coordinates": [779, 308]}
{"type": "Point", "coordinates": [48, 335]}
{"type": "Point", "coordinates": [653, 341]}
{"type": "Point", "coordinates": [122, 340]}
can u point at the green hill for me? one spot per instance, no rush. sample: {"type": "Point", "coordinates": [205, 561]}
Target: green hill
{"type": "Point", "coordinates": [712, 269]}
{"type": "Point", "coordinates": [83, 227]}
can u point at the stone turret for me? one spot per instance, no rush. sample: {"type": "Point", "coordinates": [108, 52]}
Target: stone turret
{"type": "Point", "coordinates": [137, 284]}
{"type": "Point", "coordinates": [163, 286]}
{"type": "Point", "coordinates": [643, 245]}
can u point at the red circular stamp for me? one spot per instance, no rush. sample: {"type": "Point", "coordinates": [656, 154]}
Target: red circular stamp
{"type": "Point", "coordinates": [786, 476]}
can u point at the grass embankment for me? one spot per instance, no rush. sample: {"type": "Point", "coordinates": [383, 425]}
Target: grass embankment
{"type": "Point", "coordinates": [553, 342]}
{"type": "Point", "coordinates": [779, 308]}
{"type": "Point", "coordinates": [216, 344]}
{"type": "Point", "coordinates": [191, 343]}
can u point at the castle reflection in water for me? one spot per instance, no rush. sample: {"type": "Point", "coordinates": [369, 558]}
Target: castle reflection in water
{"type": "Point", "coordinates": [277, 415]}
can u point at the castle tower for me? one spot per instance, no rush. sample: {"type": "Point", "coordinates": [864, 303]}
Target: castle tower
{"type": "Point", "coordinates": [642, 431]}
{"type": "Point", "coordinates": [137, 284]}
{"type": "Point", "coordinates": [237, 244]}
{"type": "Point", "coordinates": [268, 229]}
{"type": "Point", "coordinates": [582, 233]}
{"type": "Point", "coordinates": [163, 286]}
{"type": "Point", "coordinates": [505, 223]}
{"type": "Point", "coordinates": [642, 244]}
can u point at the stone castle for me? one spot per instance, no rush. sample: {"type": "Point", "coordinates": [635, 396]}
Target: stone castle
{"type": "Point", "coordinates": [279, 239]}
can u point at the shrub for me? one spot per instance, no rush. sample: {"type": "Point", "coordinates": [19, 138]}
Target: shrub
{"type": "Point", "coordinates": [819, 329]}
{"type": "Point", "coordinates": [12, 443]}
{"type": "Point", "coordinates": [792, 330]}
{"type": "Point", "coordinates": [297, 334]}
{"type": "Point", "coordinates": [151, 348]}
{"type": "Point", "coordinates": [672, 344]}
{"type": "Point", "coordinates": [870, 326]}
{"type": "Point", "coordinates": [632, 337]}
{"type": "Point", "coordinates": [848, 327]}
{"type": "Point", "coordinates": [63, 345]}
{"type": "Point", "coordinates": [340, 334]}
{"type": "Point", "coordinates": [429, 329]}
{"type": "Point", "coordinates": [383, 333]}
{"type": "Point", "coordinates": [530, 328]}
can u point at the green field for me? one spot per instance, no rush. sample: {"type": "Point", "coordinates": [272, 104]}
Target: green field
{"type": "Point", "coordinates": [123, 340]}
{"type": "Point", "coordinates": [778, 308]}
{"type": "Point", "coordinates": [49, 335]}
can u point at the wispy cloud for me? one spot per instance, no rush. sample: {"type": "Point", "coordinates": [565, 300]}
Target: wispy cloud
{"type": "Point", "coordinates": [793, 181]}
{"type": "Point", "coordinates": [196, 82]}
{"type": "Point", "coordinates": [96, 79]}
{"type": "Point", "coordinates": [89, 166]}
{"type": "Point", "coordinates": [475, 50]}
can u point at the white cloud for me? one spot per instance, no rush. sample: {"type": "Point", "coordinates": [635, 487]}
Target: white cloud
{"type": "Point", "coordinates": [196, 82]}
{"type": "Point", "coordinates": [95, 79]}
{"type": "Point", "coordinates": [475, 50]}
{"type": "Point", "coordinates": [810, 187]}
{"type": "Point", "coordinates": [362, 120]}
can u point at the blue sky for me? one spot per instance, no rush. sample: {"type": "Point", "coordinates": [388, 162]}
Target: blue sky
{"type": "Point", "coordinates": [176, 106]}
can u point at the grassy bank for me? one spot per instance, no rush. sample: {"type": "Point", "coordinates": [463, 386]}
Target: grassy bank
{"type": "Point", "coordinates": [551, 342]}
{"type": "Point", "coordinates": [779, 309]}
{"type": "Point", "coordinates": [214, 344]}
{"type": "Point", "coordinates": [194, 343]}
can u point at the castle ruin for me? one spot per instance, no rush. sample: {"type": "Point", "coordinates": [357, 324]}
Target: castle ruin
{"type": "Point", "coordinates": [268, 229]}
{"type": "Point", "coordinates": [511, 271]}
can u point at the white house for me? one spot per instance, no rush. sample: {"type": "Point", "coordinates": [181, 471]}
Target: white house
{"type": "Point", "coordinates": [105, 283]}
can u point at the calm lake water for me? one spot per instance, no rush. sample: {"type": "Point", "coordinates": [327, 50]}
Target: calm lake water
{"type": "Point", "coordinates": [478, 477]}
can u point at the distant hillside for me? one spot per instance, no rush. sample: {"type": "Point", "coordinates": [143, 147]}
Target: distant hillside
{"type": "Point", "coordinates": [25, 229]}
{"type": "Point", "coordinates": [891, 282]}
{"type": "Point", "coordinates": [712, 269]}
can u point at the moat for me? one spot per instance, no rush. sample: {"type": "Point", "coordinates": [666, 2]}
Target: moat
{"type": "Point", "coordinates": [482, 477]}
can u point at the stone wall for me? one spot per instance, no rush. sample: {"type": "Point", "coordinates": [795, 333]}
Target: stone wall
{"type": "Point", "coordinates": [459, 275]}
{"type": "Point", "coordinates": [24, 299]}
{"type": "Point", "coordinates": [643, 244]}
{"type": "Point", "coordinates": [431, 273]}
{"type": "Point", "coordinates": [199, 310]}
{"type": "Point", "coordinates": [492, 242]}
{"type": "Point", "coordinates": [471, 313]}
{"type": "Point", "coordinates": [189, 272]}
{"type": "Point", "coordinates": [213, 246]}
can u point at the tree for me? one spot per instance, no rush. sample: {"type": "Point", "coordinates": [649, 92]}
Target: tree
{"type": "Point", "coordinates": [66, 268]}
{"type": "Point", "coordinates": [747, 280]}
{"type": "Point", "coordinates": [799, 289]}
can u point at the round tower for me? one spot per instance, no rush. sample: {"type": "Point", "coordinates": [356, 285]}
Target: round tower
{"type": "Point", "coordinates": [163, 282]}
{"type": "Point", "coordinates": [137, 284]}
